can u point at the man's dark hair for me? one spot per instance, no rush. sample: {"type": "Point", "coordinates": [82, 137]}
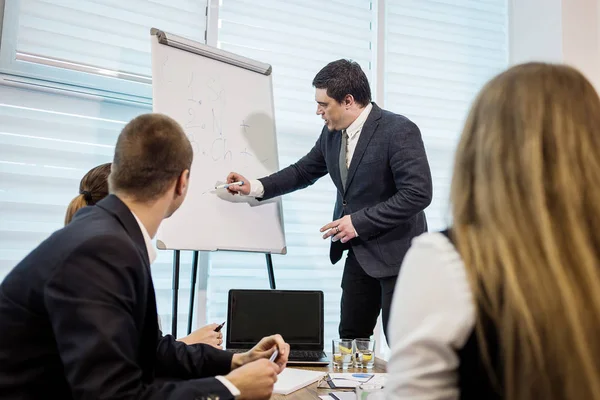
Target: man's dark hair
{"type": "Point", "coordinates": [343, 77]}
{"type": "Point", "coordinates": [151, 152]}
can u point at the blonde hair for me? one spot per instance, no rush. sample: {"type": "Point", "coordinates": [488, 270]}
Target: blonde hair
{"type": "Point", "coordinates": [526, 221]}
{"type": "Point", "coordinates": [92, 188]}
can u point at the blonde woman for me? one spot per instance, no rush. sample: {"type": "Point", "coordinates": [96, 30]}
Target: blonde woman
{"type": "Point", "coordinates": [507, 305]}
{"type": "Point", "coordinates": [93, 187]}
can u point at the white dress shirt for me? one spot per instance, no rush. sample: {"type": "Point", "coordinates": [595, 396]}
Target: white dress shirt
{"type": "Point", "coordinates": [354, 130]}
{"type": "Point", "coordinates": [147, 239]}
{"type": "Point", "coordinates": [152, 257]}
{"type": "Point", "coordinates": [432, 316]}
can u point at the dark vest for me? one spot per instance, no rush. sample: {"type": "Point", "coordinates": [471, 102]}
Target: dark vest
{"type": "Point", "coordinates": [474, 380]}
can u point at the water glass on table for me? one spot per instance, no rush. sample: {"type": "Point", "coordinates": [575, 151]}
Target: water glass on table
{"type": "Point", "coordinates": [365, 353]}
{"type": "Point", "coordinates": [343, 353]}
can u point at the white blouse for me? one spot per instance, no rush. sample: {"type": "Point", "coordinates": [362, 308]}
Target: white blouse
{"type": "Point", "coordinates": [432, 317]}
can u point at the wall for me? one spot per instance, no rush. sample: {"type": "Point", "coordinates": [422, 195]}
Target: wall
{"type": "Point", "coordinates": [580, 37]}
{"type": "Point", "coordinates": [557, 31]}
{"type": "Point", "coordinates": [535, 30]}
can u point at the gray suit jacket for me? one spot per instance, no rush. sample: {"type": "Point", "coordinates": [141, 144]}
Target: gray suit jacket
{"type": "Point", "coordinates": [387, 188]}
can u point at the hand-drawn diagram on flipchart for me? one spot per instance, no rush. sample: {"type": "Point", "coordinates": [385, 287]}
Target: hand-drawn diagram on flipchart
{"type": "Point", "coordinates": [227, 113]}
{"type": "Point", "coordinates": [220, 148]}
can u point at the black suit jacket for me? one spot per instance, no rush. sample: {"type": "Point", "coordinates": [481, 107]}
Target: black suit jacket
{"type": "Point", "coordinates": [387, 188]}
{"type": "Point", "coordinates": [78, 320]}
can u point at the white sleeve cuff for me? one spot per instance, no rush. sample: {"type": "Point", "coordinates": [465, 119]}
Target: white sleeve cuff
{"type": "Point", "coordinates": [235, 392]}
{"type": "Point", "coordinates": [256, 188]}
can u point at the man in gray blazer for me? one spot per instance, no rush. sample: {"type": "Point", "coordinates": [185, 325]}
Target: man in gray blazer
{"type": "Point", "coordinates": [377, 161]}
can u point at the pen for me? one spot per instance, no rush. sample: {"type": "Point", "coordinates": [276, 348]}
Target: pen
{"type": "Point", "coordinates": [274, 355]}
{"type": "Point", "coordinates": [218, 328]}
{"type": "Point", "coordinates": [226, 185]}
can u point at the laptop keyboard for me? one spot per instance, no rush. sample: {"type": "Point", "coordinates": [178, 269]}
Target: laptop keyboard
{"type": "Point", "coordinates": [305, 355]}
{"type": "Point", "coordinates": [295, 355]}
{"type": "Point", "coordinates": [237, 350]}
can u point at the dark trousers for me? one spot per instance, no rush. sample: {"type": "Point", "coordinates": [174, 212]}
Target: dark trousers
{"type": "Point", "coordinates": [362, 298]}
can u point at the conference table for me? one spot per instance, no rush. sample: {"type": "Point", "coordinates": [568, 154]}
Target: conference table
{"type": "Point", "coordinates": [312, 392]}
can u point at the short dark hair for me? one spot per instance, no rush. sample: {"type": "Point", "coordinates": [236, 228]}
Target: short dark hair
{"type": "Point", "coordinates": [343, 77]}
{"type": "Point", "coordinates": [151, 152]}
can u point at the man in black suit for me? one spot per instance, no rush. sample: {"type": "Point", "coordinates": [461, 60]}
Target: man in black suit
{"type": "Point", "coordinates": [377, 161]}
{"type": "Point", "coordinates": [78, 315]}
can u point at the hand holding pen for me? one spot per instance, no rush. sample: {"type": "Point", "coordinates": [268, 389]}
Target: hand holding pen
{"type": "Point", "coordinates": [237, 184]}
{"type": "Point", "coordinates": [218, 328]}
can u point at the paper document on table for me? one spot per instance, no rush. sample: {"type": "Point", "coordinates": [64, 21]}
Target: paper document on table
{"type": "Point", "coordinates": [339, 396]}
{"type": "Point", "coordinates": [292, 379]}
{"type": "Point", "coordinates": [352, 380]}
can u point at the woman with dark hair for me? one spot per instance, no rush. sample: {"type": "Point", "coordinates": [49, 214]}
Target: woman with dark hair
{"type": "Point", "coordinates": [92, 188]}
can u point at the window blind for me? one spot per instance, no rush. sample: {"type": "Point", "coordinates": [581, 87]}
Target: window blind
{"type": "Point", "coordinates": [47, 143]}
{"type": "Point", "coordinates": [438, 55]}
{"type": "Point", "coordinates": [110, 36]}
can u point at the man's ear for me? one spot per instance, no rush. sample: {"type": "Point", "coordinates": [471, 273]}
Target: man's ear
{"type": "Point", "coordinates": [348, 100]}
{"type": "Point", "coordinates": [182, 183]}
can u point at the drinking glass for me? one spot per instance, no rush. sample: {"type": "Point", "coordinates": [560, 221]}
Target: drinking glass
{"type": "Point", "coordinates": [365, 353]}
{"type": "Point", "coordinates": [343, 353]}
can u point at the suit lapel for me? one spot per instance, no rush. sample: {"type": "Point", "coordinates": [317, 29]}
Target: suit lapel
{"type": "Point", "coordinates": [366, 134]}
{"type": "Point", "coordinates": [335, 172]}
{"type": "Point", "coordinates": [114, 206]}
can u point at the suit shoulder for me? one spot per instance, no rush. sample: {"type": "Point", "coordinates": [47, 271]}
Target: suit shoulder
{"type": "Point", "coordinates": [106, 241]}
{"type": "Point", "coordinates": [399, 126]}
{"type": "Point", "coordinates": [96, 234]}
{"type": "Point", "coordinates": [67, 248]}
{"type": "Point", "coordinates": [397, 119]}
{"type": "Point", "coordinates": [107, 258]}
{"type": "Point", "coordinates": [96, 224]}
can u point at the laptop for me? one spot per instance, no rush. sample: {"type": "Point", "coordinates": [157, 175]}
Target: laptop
{"type": "Point", "coordinates": [295, 314]}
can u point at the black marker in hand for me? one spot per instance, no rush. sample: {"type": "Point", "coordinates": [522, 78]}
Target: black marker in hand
{"type": "Point", "coordinates": [218, 328]}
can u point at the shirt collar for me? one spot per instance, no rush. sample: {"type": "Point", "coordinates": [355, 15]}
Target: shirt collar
{"type": "Point", "coordinates": [147, 240]}
{"type": "Point", "coordinates": [358, 123]}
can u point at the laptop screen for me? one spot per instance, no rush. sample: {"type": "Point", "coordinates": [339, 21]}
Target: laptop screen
{"type": "Point", "coordinates": [295, 314]}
